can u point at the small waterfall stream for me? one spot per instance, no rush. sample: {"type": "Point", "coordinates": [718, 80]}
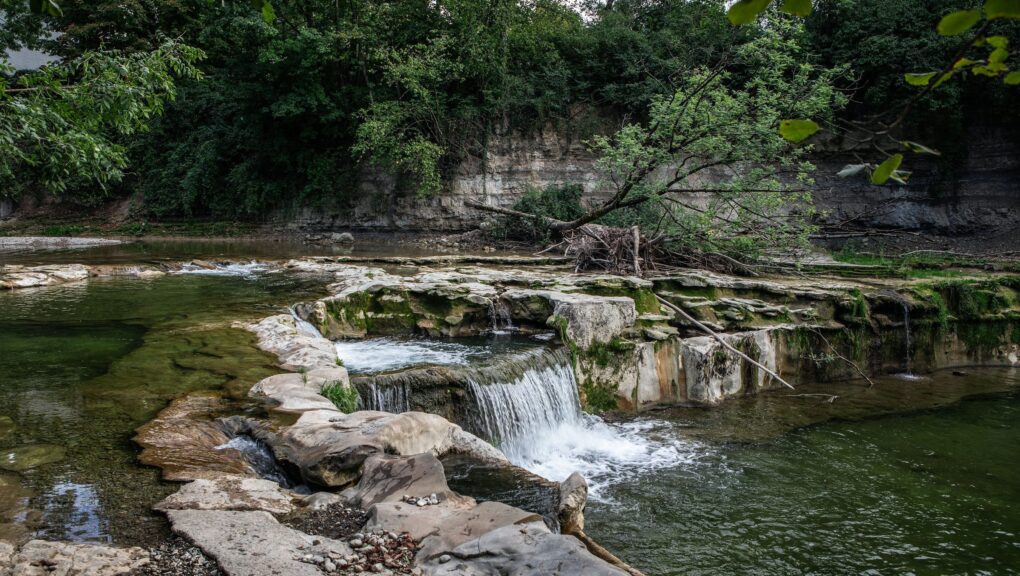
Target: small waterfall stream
{"type": "Point", "coordinates": [261, 459]}
{"type": "Point", "coordinates": [499, 315]}
{"type": "Point", "coordinates": [906, 328]}
{"type": "Point", "coordinates": [525, 398]}
{"type": "Point", "coordinates": [394, 398]}
{"type": "Point", "coordinates": [303, 326]}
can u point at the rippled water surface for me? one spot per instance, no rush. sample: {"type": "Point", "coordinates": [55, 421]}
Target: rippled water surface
{"type": "Point", "coordinates": [931, 492]}
{"type": "Point", "coordinates": [82, 365]}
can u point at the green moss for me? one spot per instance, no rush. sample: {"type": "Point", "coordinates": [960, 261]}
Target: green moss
{"type": "Point", "coordinates": [644, 299]}
{"type": "Point", "coordinates": [598, 398]}
{"type": "Point", "coordinates": [604, 354]}
{"type": "Point", "coordinates": [984, 336]}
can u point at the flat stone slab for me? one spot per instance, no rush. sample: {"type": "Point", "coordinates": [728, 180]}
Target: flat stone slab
{"type": "Point", "coordinates": [253, 543]}
{"type": "Point", "coordinates": [42, 558]}
{"type": "Point", "coordinates": [279, 335]}
{"type": "Point", "coordinates": [237, 493]}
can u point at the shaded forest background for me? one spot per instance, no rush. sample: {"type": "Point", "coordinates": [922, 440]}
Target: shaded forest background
{"type": "Point", "coordinates": [290, 110]}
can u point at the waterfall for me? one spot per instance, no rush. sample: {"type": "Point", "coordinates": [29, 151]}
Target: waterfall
{"type": "Point", "coordinates": [303, 326]}
{"type": "Point", "coordinates": [499, 315]}
{"type": "Point", "coordinates": [259, 457]}
{"type": "Point", "coordinates": [519, 400]}
{"type": "Point", "coordinates": [395, 398]}
{"type": "Point", "coordinates": [529, 408]}
{"type": "Point", "coordinates": [906, 328]}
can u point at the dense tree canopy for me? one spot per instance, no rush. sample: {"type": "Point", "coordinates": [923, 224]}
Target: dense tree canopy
{"type": "Point", "coordinates": [299, 97]}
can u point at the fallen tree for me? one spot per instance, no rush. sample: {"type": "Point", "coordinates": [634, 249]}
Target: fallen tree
{"type": "Point", "coordinates": [707, 179]}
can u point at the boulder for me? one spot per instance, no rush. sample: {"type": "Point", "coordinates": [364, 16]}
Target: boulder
{"type": "Point", "coordinates": [42, 558]}
{"type": "Point", "coordinates": [525, 549]}
{"type": "Point", "coordinates": [329, 447]}
{"type": "Point", "coordinates": [230, 493]}
{"type": "Point", "coordinates": [254, 543]}
{"type": "Point", "coordinates": [440, 525]}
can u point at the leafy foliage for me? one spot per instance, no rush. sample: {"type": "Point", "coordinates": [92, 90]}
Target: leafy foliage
{"type": "Point", "coordinates": [59, 125]}
{"type": "Point", "coordinates": [343, 396]}
{"type": "Point", "coordinates": [725, 125]}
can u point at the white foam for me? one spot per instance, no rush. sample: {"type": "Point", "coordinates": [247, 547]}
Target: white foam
{"type": "Point", "coordinates": [246, 269]}
{"type": "Point", "coordinates": [605, 454]}
{"type": "Point", "coordinates": [385, 354]}
{"type": "Point", "coordinates": [536, 419]}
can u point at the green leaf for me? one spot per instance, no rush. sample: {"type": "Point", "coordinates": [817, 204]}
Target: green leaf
{"type": "Point", "coordinates": [851, 170]}
{"type": "Point", "coordinates": [45, 7]}
{"type": "Point", "coordinates": [983, 71]}
{"type": "Point", "coordinates": [956, 23]}
{"type": "Point", "coordinates": [998, 41]}
{"type": "Point", "coordinates": [1002, 9]}
{"type": "Point", "coordinates": [963, 63]}
{"type": "Point", "coordinates": [797, 7]}
{"type": "Point", "coordinates": [268, 14]}
{"type": "Point", "coordinates": [797, 130]}
{"type": "Point", "coordinates": [919, 148]}
{"type": "Point", "coordinates": [942, 79]}
{"type": "Point", "coordinates": [998, 55]}
{"type": "Point", "coordinates": [1013, 78]}
{"type": "Point", "coordinates": [885, 169]}
{"type": "Point", "coordinates": [746, 11]}
{"type": "Point", "coordinates": [919, 79]}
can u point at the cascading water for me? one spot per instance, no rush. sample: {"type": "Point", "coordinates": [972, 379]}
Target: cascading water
{"type": "Point", "coordinates": [499, 315]}
{"type": "Point", "coordinates": [261, 459]}
{"type": "Point", "coordinates": [303, 326]}
{"type": "Point", "coordinates": [394, 398]}
{"type": "Point", "coordinates": [908, 348]}
{"type": "Point", "coordinates": [244, 270]}
{"type": "Point", "coordinates": [530, 409]}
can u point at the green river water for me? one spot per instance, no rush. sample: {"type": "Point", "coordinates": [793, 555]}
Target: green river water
{"type": "Point", "coordinates": [899, 479]}
{"type": "Point", "coordinates": [83, 365]}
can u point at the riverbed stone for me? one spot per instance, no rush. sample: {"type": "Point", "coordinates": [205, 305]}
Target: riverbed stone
{"type": "Point", "coordinates": [253, 543]}
{"type": "Point", "coordinates": [7, 426]}
{"type": "Point", "coordinates": [29, 456]}
{"type": "Point", "coordinates": [230, 493]}
{"type": "Point", "coordinates": [42, 558]}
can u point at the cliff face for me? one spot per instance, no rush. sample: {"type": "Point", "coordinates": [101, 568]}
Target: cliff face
{"type": "Point", "coordinates": [981, 196]}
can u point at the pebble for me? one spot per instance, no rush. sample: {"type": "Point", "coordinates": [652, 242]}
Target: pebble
{"type": "Point", "coordinates": [444, 558]}
{"type": "Point", "coordinates": [357, 543]}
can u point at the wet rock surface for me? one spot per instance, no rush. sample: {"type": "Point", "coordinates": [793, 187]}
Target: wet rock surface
{"type": "Point", "coordinates": [187, 442]}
